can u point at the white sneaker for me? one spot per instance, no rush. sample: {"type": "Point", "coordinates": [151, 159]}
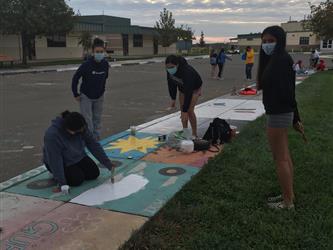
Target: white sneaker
{"type": "Point", "coordinates": [275, 198]}
{"type": "Point", "coordinates": [280, 205]}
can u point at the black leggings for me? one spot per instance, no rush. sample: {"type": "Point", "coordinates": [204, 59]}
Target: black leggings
{"type": "Point", "coordinates": [220, 69]}
{"type": "Point", "coordinates": [84, 170]}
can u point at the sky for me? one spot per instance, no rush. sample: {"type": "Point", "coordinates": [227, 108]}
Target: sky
{"type": "Point", "coordinates": [218, 19]}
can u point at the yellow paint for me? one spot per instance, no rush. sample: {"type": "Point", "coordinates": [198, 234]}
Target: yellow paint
{"type": "Point", "coordinates": [133, 143]}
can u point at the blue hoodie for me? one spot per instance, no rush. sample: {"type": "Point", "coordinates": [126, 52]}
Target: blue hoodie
{"type": "Point", "coordinates": [94, 75]}
{"type": "Point", "coordinates": [61, 149]}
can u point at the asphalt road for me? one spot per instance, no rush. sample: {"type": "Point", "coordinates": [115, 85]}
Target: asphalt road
{"type": "Point", "coordinates": [135, 94]}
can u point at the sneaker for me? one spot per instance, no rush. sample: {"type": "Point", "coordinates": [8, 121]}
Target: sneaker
{"type": "Point", "coordinates": [275, 198]}
{"type": "Point", "coordinates": [220, 78]}
{"type": "Point", "coordinates": [280, 205]}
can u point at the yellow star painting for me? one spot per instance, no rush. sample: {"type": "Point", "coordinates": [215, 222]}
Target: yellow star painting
{"type": "Point", "coordinates": [133, 143]}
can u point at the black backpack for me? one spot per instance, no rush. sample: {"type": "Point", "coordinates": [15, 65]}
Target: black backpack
{"type": "Point", "coordinates": [219, 132]}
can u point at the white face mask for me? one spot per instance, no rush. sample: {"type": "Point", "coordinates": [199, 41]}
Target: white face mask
{"type": "Point", "coordinates": [268, 48]}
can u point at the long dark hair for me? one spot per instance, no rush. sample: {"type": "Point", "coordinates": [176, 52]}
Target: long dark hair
{"type": "Point", "coordinates": [176, 60]}
{"type": "Point", "coordinates": [280, 48]}
{"type": "Point", "coordinates": [73, 121]}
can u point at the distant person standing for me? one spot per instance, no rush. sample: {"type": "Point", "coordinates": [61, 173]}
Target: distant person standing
{"type": "Point", "coordinates": [213, 63]}
{"type": "Point", "coordinates": [221, 59]}
{"type": "Point", "coordinates": [314, 58]}
{"type": "Point", "coordinates": [249, 62]}
{"type": "Point", "coordinates": [94, 72]}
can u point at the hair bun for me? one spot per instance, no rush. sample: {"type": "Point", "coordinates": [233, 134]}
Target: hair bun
{"type": "Point", "coordinates": [65, 114]}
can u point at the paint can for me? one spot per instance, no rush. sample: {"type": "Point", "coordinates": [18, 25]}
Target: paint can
{"type": "Point", "coordinates": [65, 189]}
{"type": "Point", "coordinates": [187, 146]}
{"type": "Point", "coordinates": [133, 130]}
{"type": "Point", "coordinates": [162, 138]}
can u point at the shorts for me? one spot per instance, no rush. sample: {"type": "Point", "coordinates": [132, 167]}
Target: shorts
{"type": "Point", "coordinates": [284, 120]}
{"type": "Point", "coordinates": [198, 91]}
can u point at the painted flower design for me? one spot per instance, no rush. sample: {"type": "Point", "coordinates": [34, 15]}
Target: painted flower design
{"type": "Point", "coordinates": [81, 222]}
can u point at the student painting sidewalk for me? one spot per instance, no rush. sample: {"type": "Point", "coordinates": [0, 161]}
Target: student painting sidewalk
{"type": "Point", "coordinates": [94, 73]}
{"type": "Point", "coordinates": [249, 62]}
{"type": "Point", "coordinates": [221, 59]}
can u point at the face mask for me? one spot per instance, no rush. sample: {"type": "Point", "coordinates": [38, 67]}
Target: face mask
{"type": "Point", "coordinates": [268, 48]}
{"type": "Point", "coordinates": [99, 57]}
{"type": "Point", "coordinates": [173, 70]}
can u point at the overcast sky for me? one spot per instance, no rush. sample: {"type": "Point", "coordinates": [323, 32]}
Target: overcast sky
{"type": "Point", "coordinates": [219, 19]}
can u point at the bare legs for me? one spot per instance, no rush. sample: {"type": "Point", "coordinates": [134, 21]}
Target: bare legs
{"type": "Point", "coordinates": [191, 114]}
{"type": "Point", "coordinates": [278, 141]}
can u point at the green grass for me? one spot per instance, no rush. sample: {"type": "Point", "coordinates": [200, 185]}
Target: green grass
{"type": "Point", "coordinates": [223, 207]}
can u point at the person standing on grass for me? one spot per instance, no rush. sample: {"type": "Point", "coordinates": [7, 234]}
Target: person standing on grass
{"type": "Point", "coordinates": [276, 78]}
{"type": "Point", "coordinates": [94, 73]}
{"type": "Point", "coordinates": [213, 63]}
{"type": "Point", "coordinates": [64, 152]}
{"type": "Point", "coordinates": [221, 59]}
{"type": "Point", "coordinates": [186, 79]}
{"type": "Point", "coordinates": [249, 62]}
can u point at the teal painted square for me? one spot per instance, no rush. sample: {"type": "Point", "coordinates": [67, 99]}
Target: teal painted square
{"type": "Point", "coordinates": [145, 200]}
{"type": "Point", "coordinates": [132, 154]}
{"type": "Point", "coordinates": [47, 193]}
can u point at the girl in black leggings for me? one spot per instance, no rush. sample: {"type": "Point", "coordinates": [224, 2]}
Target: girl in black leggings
{"type": "Point", "coordinates": [64, 150]}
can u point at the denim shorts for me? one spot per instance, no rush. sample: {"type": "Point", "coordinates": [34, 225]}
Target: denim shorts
{"type": "Point", "coordinates": [284, 120]}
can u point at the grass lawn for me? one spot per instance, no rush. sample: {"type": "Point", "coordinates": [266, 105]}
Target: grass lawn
{"type": "Point", "coordinates": [223, 207]}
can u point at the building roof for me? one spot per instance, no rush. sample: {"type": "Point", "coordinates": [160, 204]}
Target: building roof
{"type": "Point", "coordinates": [111, 25]}
{"type": "Point", "coordinates": [251, 35]}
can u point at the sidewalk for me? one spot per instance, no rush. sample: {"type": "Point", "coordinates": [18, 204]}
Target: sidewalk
{"type": "Point", "coordinates": [101, 215]}
{"type": "Point", "coordinates": [73, 67]}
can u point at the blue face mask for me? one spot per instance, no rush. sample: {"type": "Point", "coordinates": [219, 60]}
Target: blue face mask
{"type": "Point", "coordinates": [173, 70]}
{"type": "Point", "coordinates": [99, 57]}
{"type": "Point", "coordinates": [268, 48]}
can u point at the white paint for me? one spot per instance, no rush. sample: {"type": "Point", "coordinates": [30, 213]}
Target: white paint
{"type": "Point", "coordinates": [139, 168]}
{"type": "Point", "coordinates": [211, 110]}
{"type": "Point", "coordinates": [28, 147]}
{"type": "Point", "coordinates": [172, 180]}
{"type": "Point", "coordinates": [108, 192]}
{"type": "Point", "coordinates": [252, 109]}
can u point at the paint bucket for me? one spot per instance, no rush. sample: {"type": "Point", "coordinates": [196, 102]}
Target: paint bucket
{"type": "Point", "coordinates": [187, 146]}
{"type": "Point", "coordinates": [65, 189]}
{"type": "Point", "coordinates": [133, 130]}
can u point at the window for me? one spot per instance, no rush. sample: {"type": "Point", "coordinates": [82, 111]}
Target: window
{"type": "Point", "coordinates": [327, 44]}
{"type": "Point", "coordinates": [56, 41]}
{"type": "Point", "coordinates": [304, 40]}
{"type": "Point", "coordinates": [137, 41]}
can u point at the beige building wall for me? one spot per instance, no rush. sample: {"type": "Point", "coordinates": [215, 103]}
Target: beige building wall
{"type": "Point", "coordinates": [292, 26]}
{"type": "Point", "coordinates": [293, 38]}
{"type": "Point", "coordinates": [10, 45]}
{"type": "Point", "coordinates": [172, 49]}
{"type": "Point", "coordinates": [244, 42]}
{"type": "Point", "coordinates": [146, 50]}
{"type": "Point", "coordinates": [72, 49]}
{"type": "Point", "coordinates": [114, 44]}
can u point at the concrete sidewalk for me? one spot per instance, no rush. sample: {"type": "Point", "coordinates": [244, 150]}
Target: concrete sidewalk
{"type": "Point", "coordinates": [73, 67]}
{"type": "Point", "coordinates": [101, 215]}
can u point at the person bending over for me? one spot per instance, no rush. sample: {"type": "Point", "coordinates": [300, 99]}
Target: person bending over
{"type": "Point", "coordinates": [187, 80]}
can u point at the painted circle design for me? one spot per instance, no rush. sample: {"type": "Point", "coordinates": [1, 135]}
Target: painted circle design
{"type": "Point", "coordinates": [172, 171]}
{"type": "Point", "coordinates": [41, 184]}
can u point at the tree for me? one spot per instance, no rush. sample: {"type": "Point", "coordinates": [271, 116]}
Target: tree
{"type": "Point", "coordinates": [184, 32]}
{"type": "Point", "coordinates": [202, 42]}
{"type": "Point", "coordinates": [85, 41]}
{"type": "Point", "coordinates": [166, 28]}
{"type": "Point", "coordinates": [320, 21]}
{"type": "Point", "coordinates": [31, 18]}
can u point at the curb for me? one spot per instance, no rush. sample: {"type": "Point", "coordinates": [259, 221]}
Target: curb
{"type": "Point", "coordinates": [35, 71]}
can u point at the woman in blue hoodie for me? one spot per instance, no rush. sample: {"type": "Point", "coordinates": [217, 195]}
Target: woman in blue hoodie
{"type": "Point", "coordinates": [64, 152]}
{"type": "Point", "coordinates": [221, 59]}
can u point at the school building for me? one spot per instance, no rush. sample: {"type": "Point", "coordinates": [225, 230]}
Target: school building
{"type": "Point", "coordinates": [121, 39]}
{"type": "Point", "coordinates": [298, 39]}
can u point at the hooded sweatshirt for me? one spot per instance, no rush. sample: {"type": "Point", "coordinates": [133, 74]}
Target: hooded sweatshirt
{"type": "Point", "coordinates": [61, 149]}
{"type": "Point", "coordinates": [187, 80]}
{"type": "Point", "coordinates": [94, 75]}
